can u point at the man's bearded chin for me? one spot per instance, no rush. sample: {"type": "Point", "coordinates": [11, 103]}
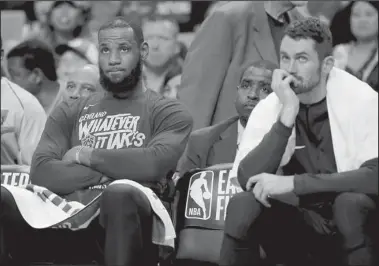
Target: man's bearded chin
{"type": "Point", "coordinates": [129, 83]}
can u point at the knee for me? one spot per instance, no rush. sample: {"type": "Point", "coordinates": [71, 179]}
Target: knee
{"type": "Point", "coordinates": [5, 199]}
{"type": "Point", "coordinates": [243, 203]}
{"type": "Point", "coordinates": [350, 211]}
{"type": "Point", "coordinates": [7, 204]}
{"type": "Point", "coordinates": [119, 195]}
{"type": "Point", "coordinates": [350, 201]}
{"type": "Point", "coordinates": [242, 211]}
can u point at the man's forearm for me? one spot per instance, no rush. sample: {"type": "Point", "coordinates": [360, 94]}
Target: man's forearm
{"type": "Point", "coordinates": [363, 180]}
{"type": "Point", "coordinates": [266, 157]}
{"type": "Point", "coordinates": [61, 177]}
{"type": "Point", "coordinates": [138, 164]}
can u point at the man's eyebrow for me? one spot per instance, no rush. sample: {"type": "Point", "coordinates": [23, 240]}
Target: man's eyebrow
{"type": "Point", "coordinates": [88, 84]}
{"type": "Point", "coordinates": [297, 54]}
{"type": "Point", "coordinates": [301, 53]}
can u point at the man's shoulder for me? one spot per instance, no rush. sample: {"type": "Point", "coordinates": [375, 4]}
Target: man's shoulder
{"type": "Point", "coordinates": [207, 133]}
{"type": "Point", "coordinates": [17, 97]}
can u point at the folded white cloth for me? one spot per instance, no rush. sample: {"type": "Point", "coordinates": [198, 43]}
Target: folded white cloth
{"type": "Point", "coordinates": [41, 208]}
{"type": "Point", "coordinates": [353, 115]}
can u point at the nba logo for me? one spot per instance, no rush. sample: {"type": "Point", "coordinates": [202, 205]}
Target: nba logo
{"type": "Point", "coordinates": [199, 196]}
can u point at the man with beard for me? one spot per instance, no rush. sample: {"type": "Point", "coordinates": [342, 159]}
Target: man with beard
{"type": "Point", "coordinates": [320, 127]}
{"type": "Point", "coordinates": [131, 133]}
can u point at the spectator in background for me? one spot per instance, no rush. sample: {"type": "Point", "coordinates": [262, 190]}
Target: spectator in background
{"type": "Point", "coordinates": [360, 56]}
{"type": "Point", "coordinates": [84, 82]}
{"type": "Point", "coordinates": [341, 17]}
{"type": "Point", "coordinates": [41, 9]}
{"type": "Point", "coordinates": [25, 120]}
{"type": "Point", "coordinates": [233, 34]}
{"type": "Point", "coordinates": [67, 23]}
{"type": "Point", "coordinates": [172, 87]}
{"type": "Point", "coordinates": [163, 62]}
{"type": "Point", "coordinates": [31, 65]}
{"type": "Point", "coordinates": [71, 58]}
{"type": "Point", "coordinates": [174, 76]}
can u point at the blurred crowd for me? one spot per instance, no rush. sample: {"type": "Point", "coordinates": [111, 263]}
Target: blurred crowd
{"type": "Point", "coordinates": [70, 29]}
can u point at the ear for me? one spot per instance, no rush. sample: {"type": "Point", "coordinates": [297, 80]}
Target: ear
{"type": "Point", "coordinates": [37, 75]}
{"type": "Point", "coordinates": [327, 64]}
{"type": "Point", "coordinates": [144, 51]}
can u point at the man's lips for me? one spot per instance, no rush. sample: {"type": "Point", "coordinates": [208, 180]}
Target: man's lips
{"type": "Point", "coordinates": [250, 105]}
{"type": "Point", "coordinates": [116, 70]}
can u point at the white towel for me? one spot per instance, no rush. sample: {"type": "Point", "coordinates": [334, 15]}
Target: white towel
{"type": "Point", "coordinates": [41, 208]}
{"type": "Point", "coordinates": [353, 115]}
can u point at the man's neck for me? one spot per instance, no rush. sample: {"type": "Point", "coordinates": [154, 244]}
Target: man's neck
{"type": "Point", "coordinates": [277, 9]}
{"type": "Point", "coordinates": [315, 95]}
{"type": "Point", "coordinates": [243, 120]}
{"type": "Point", "coordinates": [154, 77]}
{"type": "Point", "coordinates": [48, 93]}
{"type": "Point", "coordinates": [129, 94]}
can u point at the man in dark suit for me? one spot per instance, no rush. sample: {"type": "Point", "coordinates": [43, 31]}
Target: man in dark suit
{"type": "Point", "coordinates": [234, 34]}
{"type": "Point", "coordinates": [218, 144]}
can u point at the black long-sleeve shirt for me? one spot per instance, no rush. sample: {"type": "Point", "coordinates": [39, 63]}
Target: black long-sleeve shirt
{"type": "Point", "coordinates": [313, 163]}
{"type": "Point", "coordinates": [140, 138]}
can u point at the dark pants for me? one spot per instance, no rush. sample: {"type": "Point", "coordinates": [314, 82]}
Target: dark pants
{"type": "Point", "coordinates": [125, 214]}
{"type": "Point", "coordinates": [292, 235]}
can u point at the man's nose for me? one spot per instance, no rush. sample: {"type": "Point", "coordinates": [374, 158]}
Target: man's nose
{"type": "Point", "coordinates": [115, 59]}
{"type": "Point", "coordinates": [292, 67]}
{"type": "Point", "coordinates": [253, 94]}
{"type": "Point", "coordinates": [154, 44]}
{"type": "Point", "coordinates": [75, 94]}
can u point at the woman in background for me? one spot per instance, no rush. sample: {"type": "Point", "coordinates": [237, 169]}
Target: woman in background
{"type": "Point", "coordinates": [360, 56]}
{"type": "Point", "coordinates": [65, 22]}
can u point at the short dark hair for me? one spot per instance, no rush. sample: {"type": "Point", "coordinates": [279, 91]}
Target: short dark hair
{"type": "Point", "coordinates": [36, 54]}
{"type": "Point", "coordinates": [121, 22]}
{"type": "Point", "coordinates": [263, 64]}
{"type": "Point", "coordinates": [63, 48]}
{"type": "Point", "coordinates": [315, 29]}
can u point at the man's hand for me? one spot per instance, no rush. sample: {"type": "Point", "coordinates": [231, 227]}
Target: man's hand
{"type": "Point", "coordinates": [281, 85]}
{"type": "Point", "coordinates": [70, 155]}
{"type": "Point", "coordinates": [78, 154]}
{"type": "Point", "coordinates": [105, 179]}
{"type": "Point", "coordinates": [175, 177]}
{"type": "Point", "coordinates": [269, 185]}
